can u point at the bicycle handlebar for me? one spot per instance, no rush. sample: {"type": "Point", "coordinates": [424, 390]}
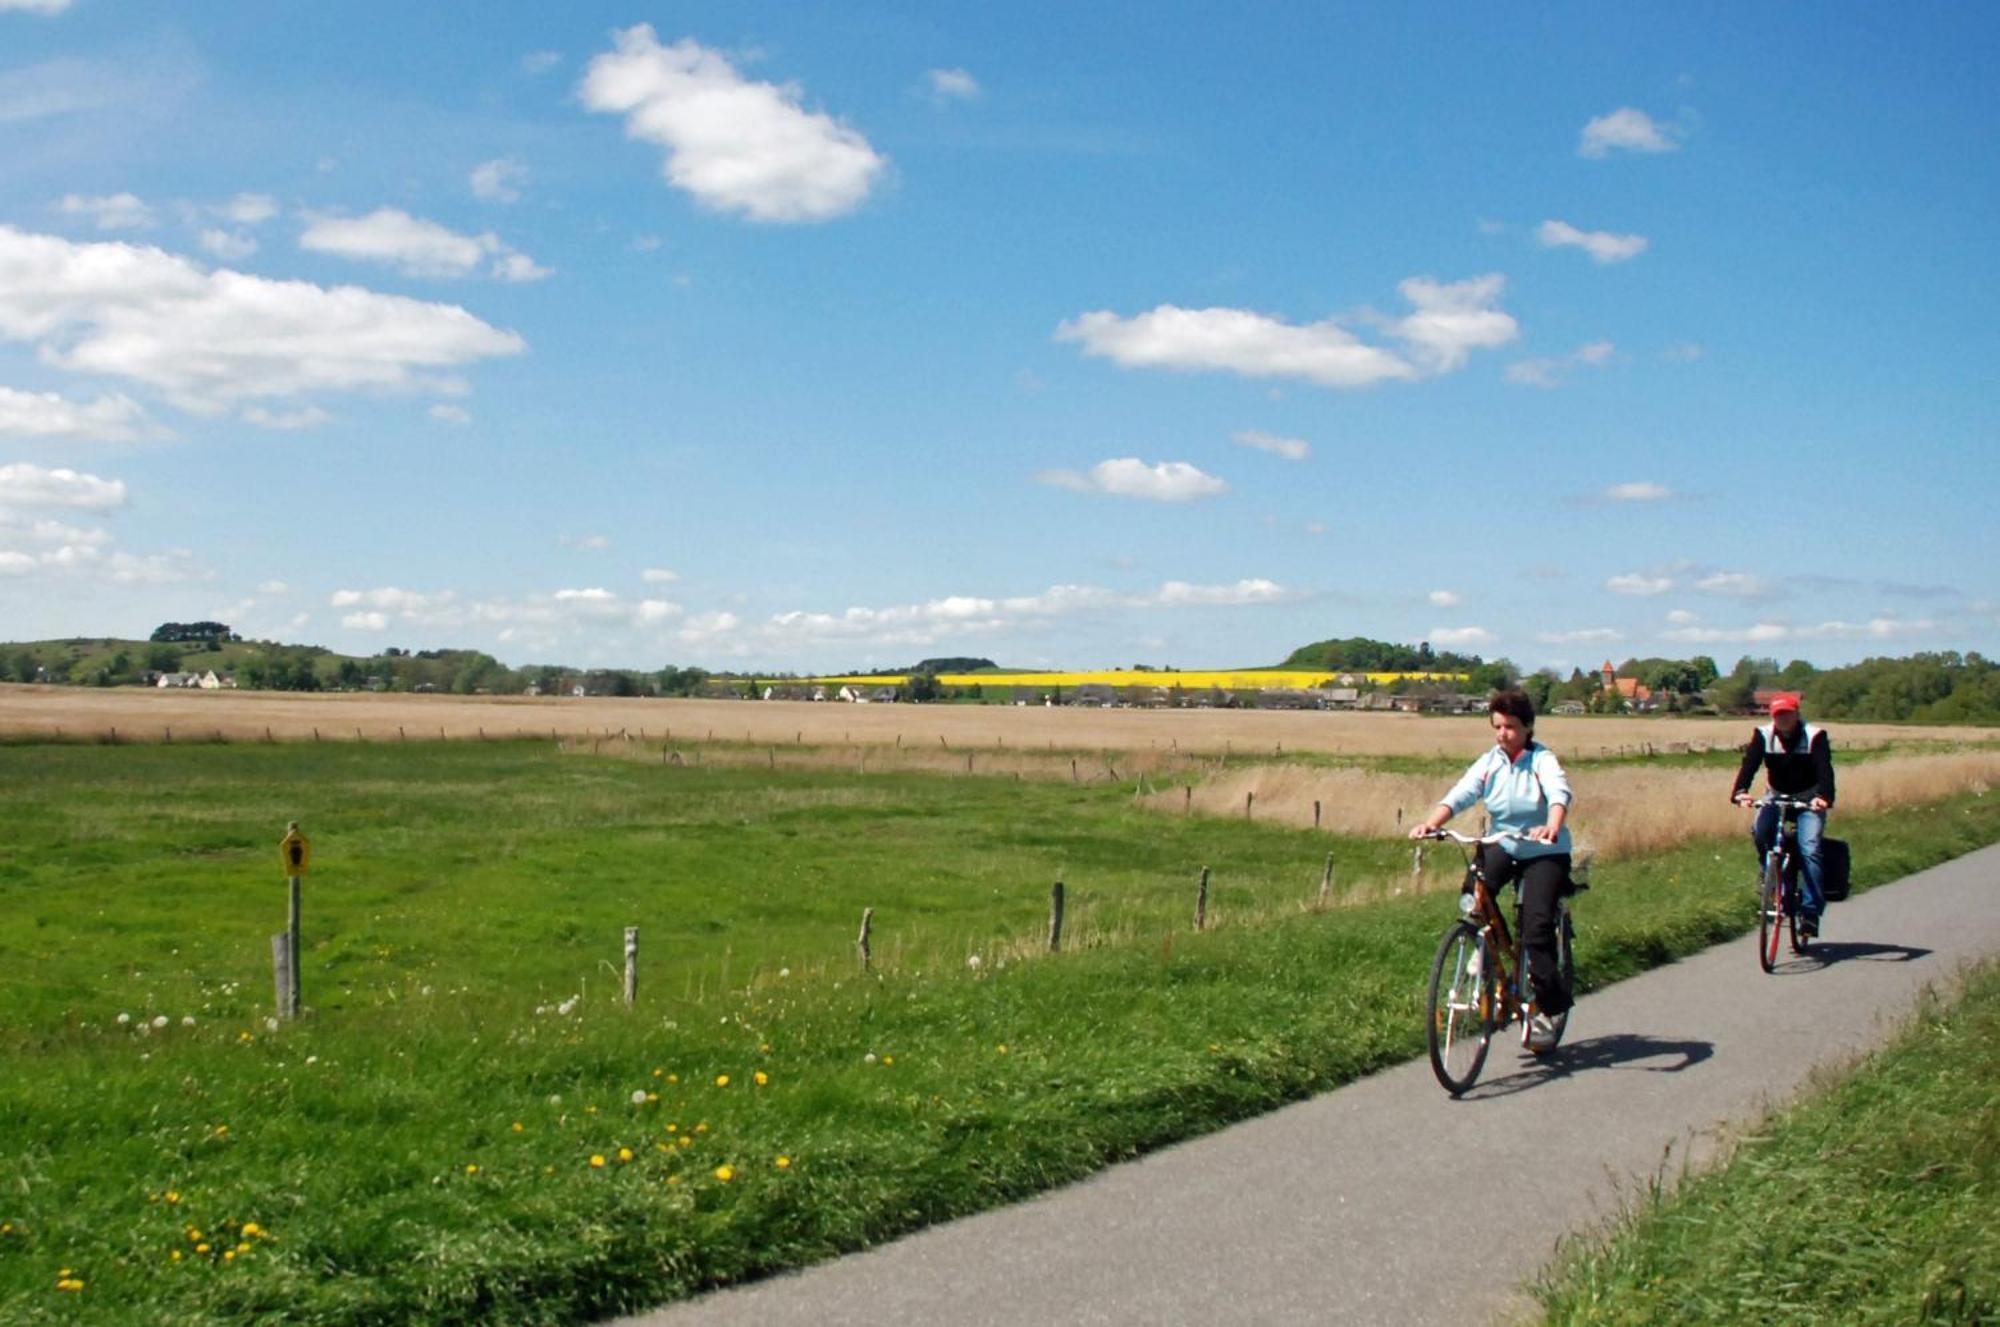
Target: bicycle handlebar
{"type": "Point", "coordinates": [1773, 799]}
{"type": "Point", "coordinates": [1471, 840]}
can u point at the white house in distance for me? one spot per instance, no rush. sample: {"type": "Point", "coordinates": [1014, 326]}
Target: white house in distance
{"type": "Point", "coordinates": [205, 681]}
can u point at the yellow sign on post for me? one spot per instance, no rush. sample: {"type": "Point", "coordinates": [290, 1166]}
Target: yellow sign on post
{"type": "Point", "coordinates": [296, 850]}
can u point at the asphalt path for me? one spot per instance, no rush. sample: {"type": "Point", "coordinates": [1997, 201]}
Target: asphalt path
{"type": "Point", "coordinates": [1387, 1202]}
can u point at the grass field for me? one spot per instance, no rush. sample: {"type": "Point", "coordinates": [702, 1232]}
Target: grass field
{"type": "Point", "coordinates": [468, 1126]}
{"type": "Point", "coordinates": [1871, 1202]}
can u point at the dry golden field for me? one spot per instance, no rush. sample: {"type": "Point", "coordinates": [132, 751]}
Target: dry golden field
{"type": "Point", "coordinates": [141, 715]}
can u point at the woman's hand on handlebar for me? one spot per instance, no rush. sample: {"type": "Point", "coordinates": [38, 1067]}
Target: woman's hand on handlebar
{"type": "Point", "coordinates": [1544, 833]}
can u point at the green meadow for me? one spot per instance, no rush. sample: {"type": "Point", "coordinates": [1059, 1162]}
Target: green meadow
{"type": "Point", "coordinates": [469, 1126]}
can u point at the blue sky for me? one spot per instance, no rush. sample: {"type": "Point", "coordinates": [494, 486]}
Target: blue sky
{"type": "Point", "coordinates": [814, 337]}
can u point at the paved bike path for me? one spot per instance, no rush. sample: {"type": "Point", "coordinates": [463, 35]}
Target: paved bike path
{"type": "Point", "coordinates": [1385, 1201]}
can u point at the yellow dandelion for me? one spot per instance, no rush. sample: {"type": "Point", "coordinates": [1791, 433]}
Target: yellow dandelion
{"type": "Point", "coordinates": [652, 1097]}
{"type": "Point", "coordinates": [229, 1255]}
{"type": "Point", "coordinates": [243, 1248]}
{"type": "Point", "coordinates": [471, 1169]}
{"type": "Point", "coordinates": [888, 1059]}
{"type": "Point", "coordinates": [673, 1128]}
{"type": "Point", "coordinates": [590, 1110]}
{"type": "Point", "coordinates": [69, 1284]}
{"type": "Point", "coordinates": [766, 1048]}
{"type": "Point", "coordinates": [673, 1181]}
{"type": "Point", "coordinates": [201, 1248]}
{"type": "Point", "coordinates": [659, 1073]}
{"type": "Point", "coordinates": [701, 1127]}
{"type": "Point", "coordinates": [783, 1163]}
{"type": "Point", "coordinates": [193, 1234]}
{"type": "Point", "coordinates": [624, 1154]}
{"type": "Point", "coordinates": [662, 1147]}
{"type": "Point", "coordinates": [175, 1255]}
{"type": "Point", "coordinates": [252, 1229]}
{"type": "Point", "coordinates": [722, 1080]}
{"type": "Point", "coordinates": [725, 1173]}
{"type": "Point", "coordinates": [1002, 1048]}
{"type": "Point", "coordinates": [762, 1078]}
{"type": "Point", "coordinates": [597, 1161]}
{"type": "Point", "coordinates": [243, 1036]}
{"type": "Point", "coordinates": [221, 1129]}
{"type": "Point", "coordinates": [687, 1140]}
{"type": "Point", "coordinates": [673, 1078]}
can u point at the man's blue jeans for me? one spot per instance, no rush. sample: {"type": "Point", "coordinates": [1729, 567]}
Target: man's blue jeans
{"type": "Point", "coordinates": [1812, 824]}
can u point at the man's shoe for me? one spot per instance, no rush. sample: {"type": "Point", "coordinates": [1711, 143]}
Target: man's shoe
{"type": "Point", "coordinates": [1541, 1033]}
{"type": "Point", "coordinates": [1809, 928]}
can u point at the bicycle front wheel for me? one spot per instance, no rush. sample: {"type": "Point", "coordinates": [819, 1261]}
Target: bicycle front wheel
{"type": "Point", "coordinates": [1464, 1000]}
{"type": "Point", "coordinates": [1770, 914]}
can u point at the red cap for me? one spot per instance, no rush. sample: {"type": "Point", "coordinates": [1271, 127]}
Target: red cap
{"type": "Point", "coordinates": [1780, 704]}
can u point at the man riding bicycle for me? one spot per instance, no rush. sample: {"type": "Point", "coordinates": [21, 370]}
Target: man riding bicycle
{"type": "Point", "coordinates": [1525, 791]}
{"type": "Point", "coordinates": [1798, 759]}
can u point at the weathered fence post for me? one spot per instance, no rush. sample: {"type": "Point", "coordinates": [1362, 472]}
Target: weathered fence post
{"type": "Point", "coordinates": [1201, 903]}
{"type": "Point", "coordinates": [631, 966]}
{"type": "Point", "coordinates": [1326, 882]}
{"type": "Point", "coordinates": [1055, 917]}
{"type": "Point", "coordinates": [1249, 798]}
{"type": "Point", "coordinates": [1072, 771]}
{"type": "Point", "coordinates": [1315, 813]}
{"type": "Point", "coordinates": [170, 735]}
{"type": "Point", "coordinates": [296, 855]}
{"type": "Point", "coordinates": [867, 923]}
{"type": "Point", "coordinates": [281, 972]}
{"type": "Point", "coordinates": [1187, 800]}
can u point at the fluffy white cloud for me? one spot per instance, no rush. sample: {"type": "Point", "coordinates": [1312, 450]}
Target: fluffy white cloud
{"type": "Point", "coordinates": [952, 85]}
{"type": "Point", "coordinates": [1626, 129]}
{"type": "Point", "coordinates": [112, 212]}
{"type": "Point", "coordinates": [1455, 636]}
{"type": "Point", "coordinates": [1129, 477]}
{"type": "Point", "coordinates": [366, 621]}
{"type": "Point", "coordinates": [227, 244]}
{"type": "Point", "coordinates": [286, 421]}
{"type": "Point", "coordinates": [1602, 245]}
{"type": "Point", "coordinates": [1552, 372]}
{"type": "Point", "coordinates": [47, 415]}
{"type": "Point", "coordinates": [736, 145]}
{"type": "Point", "coordinates": [416, 247]}
{"type": "Point", "coordinates": [1638, 492]}
{"type": "Point", "coordinates": [1178, 594]}
{"type": "Point", "coordinates": [1680, 617]}
{"type": "Point", "coordinates": [499, 180]}
{"type": "Point", "coordinates": [1446, 598]}
{"type": "Point", "coordinates": [211, 338]}
{"type": "Point", "coordinates": [1452, 319]}
{"type": "Point", "coordinates": [1292, 449]}
{"type": "Point", "coordinates": [1767, 633]}
{"type": "Point", "coordinates": [26, 487]}
{"type": "Point", "coordinates": [248, 209]}
{"type": "Point", "coordinates": [1635, 583]}
{"type": "Point", "coordinates": [659, 576]}
{"type": "Point", "coordinates": [35, 6]}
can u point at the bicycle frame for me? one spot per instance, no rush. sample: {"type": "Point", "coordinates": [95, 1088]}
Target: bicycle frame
{"type": "Point", "coordinates": [1780, 908]}
{"type": "Point", "coordinates": [1516, 997]}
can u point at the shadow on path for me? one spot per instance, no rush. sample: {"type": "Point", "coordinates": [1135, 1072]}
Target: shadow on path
{"type": "Point", "coordinates": [1825, 953]}
{"type": "Point", "coordinates": [1623, 1050]}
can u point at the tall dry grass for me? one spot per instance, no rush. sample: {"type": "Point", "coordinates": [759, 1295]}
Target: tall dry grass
{"type": "Point", "coordinates": [1620, 810]}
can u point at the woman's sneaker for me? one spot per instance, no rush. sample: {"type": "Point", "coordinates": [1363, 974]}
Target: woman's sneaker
{"type": "Point", "coordinates": [1541, 1033]}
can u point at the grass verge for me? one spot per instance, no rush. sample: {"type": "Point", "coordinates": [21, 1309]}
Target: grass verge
{"type": "Point", "coordinates": [1870, 1202]}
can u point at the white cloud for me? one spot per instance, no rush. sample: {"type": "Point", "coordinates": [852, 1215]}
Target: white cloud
{"type": "Point", "coordinates": [24, 486]}
{"type": "Point", "coordinates": [1178, 594]}
{"type": "Point", "coordinates": [286, 421]}
{"type": "Point", "coordinates": [450, 414]}
{"type": "Point", "coordinates": [35, 6]}
{"type": "Point", "coordinates": [227, 244]}
{"type": "Point", "coordinates": [113, 212]}
{"type": "Point", "coordinates": [1552, 372]}
{"type": "Point", "coordinates": [1735, 585]}
{"type": "Point", "coordinates": [1129, 477]}
{"type": "Point", "coordinates": [415, 246]}
{"type": "Point", "coordinates": [248, 209]}
{"type": "Point", "coordinates": [1582, 636]}
{"type": "Point", "coordinates": [1292, 449]}
{"type": "Point", "coordinates": [707, 627]}
{"type": "Point", "coordinates": [952, 85]}
{"type": "Point", "coordinates": [1455, 636]}
{"type": "Point", "coordinates": [499, 180]}
{"type": "Point", "coordinates": [1681, 617]}
{"type": "Point", "coordinates": [1635, 583]}
{"type": "Point", "coordinates": [1235, 341]}
{"type": "Point", "coordinates": [210, 338]}
{"type": "Point", "coordinates": [366, 621]}
{"type": "Point", "coordinates": [1602, 245]}
{"type": "Point", "coordinates": [408, 603]}
{"type": "Point", "coordinates": [737, 146]}
{"type": "Point", "coordinates": [659, 576]}
{"type": "Point", "coordinates": [1625, 129]}
{"type": "Point", "coordinates": [1765, 633]}
{"type": "Point", "coordinates": [1761, 633]}
{"type": "Point", "coordinates": [48, 415]}
{"type": "Point", "coordinates": [1446, 598]}
{"type": "Point", "coordinates": [1453, 319]}
{"type": "Point", "coordinates": [1638, 492]}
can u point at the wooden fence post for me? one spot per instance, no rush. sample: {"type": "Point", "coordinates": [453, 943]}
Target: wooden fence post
{"type": "Point", "coordinates": [1055, 917]}
{"type": "Point", "coordinates": [1315, 813]}
{"type": "Point", "coordinates": [867, 923]}
{"type": "Point", "coordinates": [281, 972]}
{"type": "Point", "coordinates": [1201, 903]}
{"type": "Point", "coordinates": [1326, 882]}
{"type": "Point", "coordinates": [1187, 800]}
{"type": "Point", "coordinates": [1248, 798]}
{"type": "Point", "coordinates": [631, 966]}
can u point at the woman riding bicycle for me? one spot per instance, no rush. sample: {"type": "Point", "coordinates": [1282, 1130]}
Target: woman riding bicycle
{"type": "Point", "coordinates": [1526, 792]}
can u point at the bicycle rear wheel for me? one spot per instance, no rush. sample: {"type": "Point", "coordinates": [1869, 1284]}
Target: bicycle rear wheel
{"type": "Point", "coordinates": [1464, 999]}
{"type": "Point", "coordinates": [1770, 914]}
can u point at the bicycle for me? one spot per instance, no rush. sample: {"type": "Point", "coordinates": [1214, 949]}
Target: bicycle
{"type": "Point", "coordinates": [1778, 885]}
{"type": "Point", "coordinates": [1479, 978]}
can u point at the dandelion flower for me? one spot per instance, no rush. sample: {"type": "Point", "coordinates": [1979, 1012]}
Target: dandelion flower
{"type": "Point", "coordinates": [722, 1080]}
{"type": "Point", "coordinates": [725, 1173]}
{"type": "Point", "coordinates": [252, 1229]}
{"type": "Point", "coordinates": [869, 1058]}
{"type": "Point", "coordinates": [1002, 1048]}
{"type": "Point", "coordinates": [888, 1059]}
{"type": "Point", "coordinates": [783, 1163]}
{"type": "Point", "coordinates": [193, 1234]}
{"type": "Point", "coordinates": [124, 1019]}
{"type": "Point", "coordinates": [471, 1169]}
{"type": "Point", "coordinates": [687, 1140]}
{"type": "Point", "coordinates": [173, 1196]}
{"type": "Point", "coordinates": [159, 1021]}
{"type": "Point", "coordinates": [229, 1255]}
{"type": "Point", "coordinates": [659, 1073]}
{"type": "Point", "coordinates": [673, 1078]}
{"type": "Point", "coordinates": [518, 1126]}
{"type": "Point", "coordinates": [242, 1248]}
{"type": "Point", "coordinates": [766, 1048]}
{"type": "Point", "coordinates": [175, 1255]}
{"type": "Point", "coordinates": [597, 1161]}
{"type": "Point", "coordinates": [624, 1154]}
{"type": "Point", "coordinates": [673, 1181]}
{"type": "Point", "coordinates": [673, 1128]}
{"type": "Point", "coordinates": [702, 1127]}
{"type": "Point", "coordinates": [201, 1248]}
{"type": "Point", "coordinates": [69, 1283]}
{"type": "Point", "coordinates": [762, 1078]}
{"type": "Point", "coordinates": [639, 1097]}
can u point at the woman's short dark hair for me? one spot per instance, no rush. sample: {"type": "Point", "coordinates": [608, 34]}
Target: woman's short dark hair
{"type": "Point", "coordinates": [1514, 703]}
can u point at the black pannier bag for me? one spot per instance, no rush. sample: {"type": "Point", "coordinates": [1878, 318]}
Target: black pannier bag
{"type": "Point", "coordinates": [1835, 865]}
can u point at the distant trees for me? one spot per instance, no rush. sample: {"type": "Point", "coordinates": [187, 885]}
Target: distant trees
{"type": "Point", "coordinates": [206, 633]}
